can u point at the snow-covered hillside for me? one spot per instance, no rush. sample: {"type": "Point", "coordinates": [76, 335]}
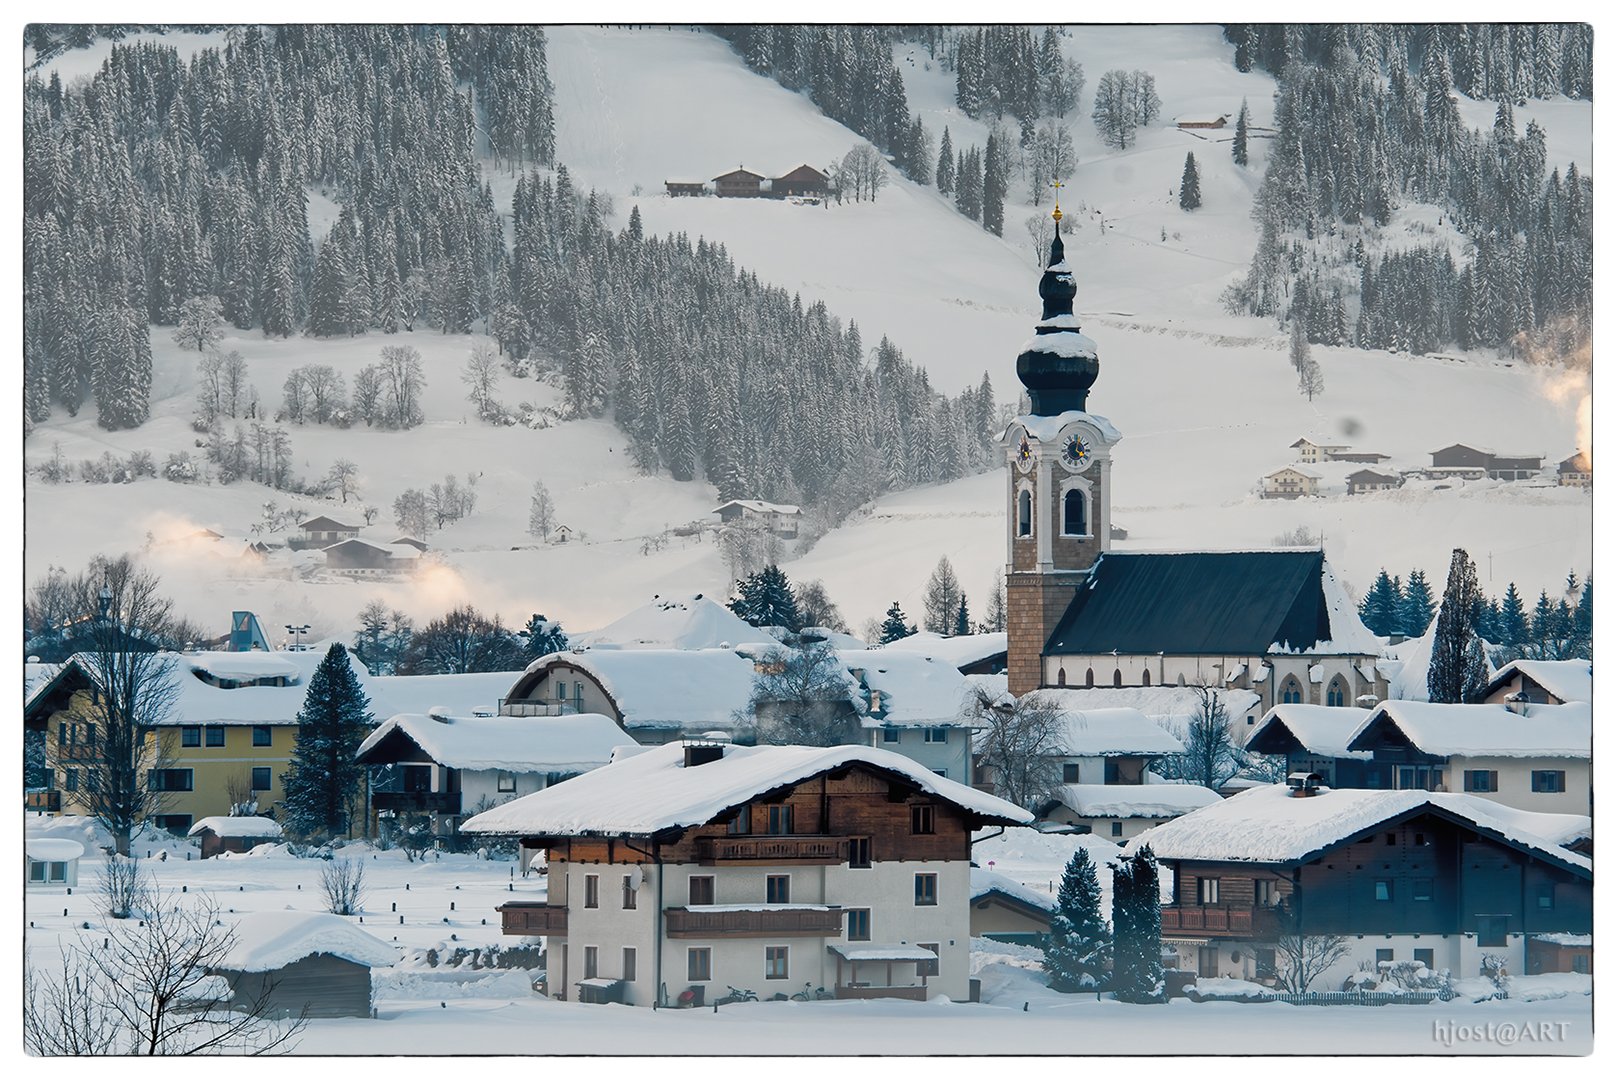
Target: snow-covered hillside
{"type": "Point", "coordinates": [1206, 402]}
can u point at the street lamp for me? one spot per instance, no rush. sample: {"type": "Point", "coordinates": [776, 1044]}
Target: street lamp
{"type": "Point", "coordinates": [297, 632]}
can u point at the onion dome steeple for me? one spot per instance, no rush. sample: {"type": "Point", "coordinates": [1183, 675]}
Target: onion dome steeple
{"type": "Point", "coordinates": [1059, 365]}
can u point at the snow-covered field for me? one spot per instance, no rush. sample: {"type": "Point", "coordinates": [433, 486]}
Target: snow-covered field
{"type": "Point", "coordinates": [448, 902]}
{"type": "Point", "coordinates": [1206, 402]}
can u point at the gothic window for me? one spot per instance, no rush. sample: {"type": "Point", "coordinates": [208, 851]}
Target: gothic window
{"type": "Point", "coordinates": [1072, 514]}
{"type": "Point", "coordinates": [1290, 691]}
{"type": "Point", "coordinates": [1337, 694]}
{"type": "Point", "coordinates": [1117, 676]}
{"type": "Point", "coordinates": [1089, 677]}
{"type": "Point", "coordinates": [1061, 677]}
{"type": "Point", "coordinates": [1024, 513]}
{"type": "Point", "coordinates": [1145, 677]}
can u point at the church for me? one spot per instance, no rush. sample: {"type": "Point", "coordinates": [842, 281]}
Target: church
{"type": "Point", "coordinates": [1274, 621]}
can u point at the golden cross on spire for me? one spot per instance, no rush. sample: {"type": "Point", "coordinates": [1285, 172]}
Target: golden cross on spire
{"type": "Point", "coordinates": [1057, 185]}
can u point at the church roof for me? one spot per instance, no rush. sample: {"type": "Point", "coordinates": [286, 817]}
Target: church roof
{"type": "Point", "coordinates": [1232, 602]}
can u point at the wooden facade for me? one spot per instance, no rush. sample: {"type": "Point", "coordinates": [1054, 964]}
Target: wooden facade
{"type": "Point", "coordinates": [320, 985]}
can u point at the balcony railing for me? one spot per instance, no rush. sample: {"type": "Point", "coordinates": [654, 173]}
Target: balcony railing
{"type": "Point", "coordinates": [50, 801]}
{"type": "Point", "coordinates": [531, 707]}
{"type": "Point", "coordinates": [532, 917]}
{"type": "Point", "coordinates": [754, 922]}
{"type": "Point", "coordinates": [1225, 920]}
{"type": "Point", "coordinates": [417, 802]}
{"type": "Point", "coordinates": [718, 850]}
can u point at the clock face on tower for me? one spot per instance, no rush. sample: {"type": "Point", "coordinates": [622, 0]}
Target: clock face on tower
{"type": "Point", "coordinates": [1075, 453]}
{"type": "Point", "coordinates": [1024, 455]}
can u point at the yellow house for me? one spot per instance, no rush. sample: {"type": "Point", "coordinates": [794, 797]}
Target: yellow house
{"type": "Point", "coordinates": [225, 740]}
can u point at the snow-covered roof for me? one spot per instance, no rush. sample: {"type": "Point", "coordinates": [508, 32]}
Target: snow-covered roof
{"type": "Point", "coordinates": [1569, 680]}
{"type": "Point", "coordinates": [1443, 730]}
{"type": "Point", "coordinates": [458, 695]}
{"type": "Point", "coordinates": [654, 791]}
{"type": "Point", "coordinates": [237, 826]}
{"type": "Point", "coordinates": [1311, 474]}
{"type": "Point", "coordinates": [894, 951]}
{"type": "Point", "coordinates": [508, 743]}
{"type": "Point", "coordinates": [1571, 940]}
{"type": "Point", "coordinates": [961, 650]}
{"type": "Point", "coordinates": [1174, 704]}
{"type": "Point", "coordinates": [1268, 825]}
{"type": "Point", "coordinates": [46, 849]}
{"type": "Point", "coordinates": [674, 622]}
{"type": "Point", "coordinates": [1134, 800]}
{"type": "Point", "coordinates": [1048, 428]}
{"type": "Point", "coordinates": [984, 882]}
{"type": "Point", "coordinates": [1321, 729]}
{"type": "Point", "coordinates": [1110, 732]}
{"type": "Point", "coordinates": [1069, 344]}
{"type": "Point", "coordinates": [245, 665]}
{"type": "Point", "coordinates": [265, 940]}
{"type": "Point", "coordinates": [759, 506]}
{"type": "Point", "coordinates": [693, 689]}
{"type": "Point", "coordinates": [915, 690]}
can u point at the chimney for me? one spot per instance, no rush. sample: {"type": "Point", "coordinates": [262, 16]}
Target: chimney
{"type": "Point", "coordinates": [1303, 785]}
{"type": "Point", "coordinates": [702, 753]}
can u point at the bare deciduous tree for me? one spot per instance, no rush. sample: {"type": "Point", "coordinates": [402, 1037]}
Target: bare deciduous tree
{"type": "Point", "coordinates": [1210, 758]}
{"type": "Point", "coordinates": [1303, 958]}
{"type": "Point", "coordinates": [800, 697]}
{"type": "Point", "coordinates": [343, 883]}
{"type": "Point", "coordinates": [1021, 744]}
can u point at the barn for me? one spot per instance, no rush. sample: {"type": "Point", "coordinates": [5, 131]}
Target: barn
{"type": "Point", "coordinates": [236, 834]}
{"type": "Point", "coordinates": [303, 963]}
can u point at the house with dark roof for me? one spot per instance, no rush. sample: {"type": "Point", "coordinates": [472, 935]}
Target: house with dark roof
{"type": "Point", "coordinates": [1542, 682]}
{"type": "Point", "coordinates": [1369, 480]}
{"type": "Point", "coordinates": [1428, 877]}
{"type": "Point", "coordinates": [738, 184]}
{"type": "Point", "coordinates": [803, 180]}
{"type": "Point", "coordinates": [1576, 471]}
{"type": "Point", "coordinates": [1006, 910]}
{"type": "Point", "coordinates": [322, 531]}
{"type": "Point", "coordinates": [1274, 622]}
{"type": "Point", "coordinates": [1314, 739]}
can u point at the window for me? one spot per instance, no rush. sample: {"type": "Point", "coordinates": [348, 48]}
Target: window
{"type": "Point", "coordinates": [775, 962]}
{"type": "Point", "coordinates": [1207, 961]}
{"type": "Point", "coordinates": [1267, 893]}
{"type": "Point", "coordinates": [192, 736]}
{"type": "Point", "coordinates": [70, 779]}
{"type": "Point", "coordinates": [592, 893]}
{"type": "Point", "coordinates": [1207, 890]}
{"type": "Point", "coordinates": [1117, 676]}
{"type": "Point", "coordinates": [1291, 692]}
{"type": "Point", "coordinates": [741, 823]}
{"type": "Point", "coordinates": [859, 852]}
{"type": "Point", "coordinates": [1420, 839]}
{"type": "Point", "coordinates": [1544, 897]}
{"type": "Point", "coordinates": [1420, 889]}
{"type": "Point", "coordinates": [780, 820]}
{"type": "Point", "coordinates": [1145, 677]}
{"type": "Point", "coordinates": [261, 778]}
{"type": "Point", "coordinates": [1491, 931]}
{"type": "Point", "coordinates": [1117, 828]}
{"type": "Point", "coordinates": [89, 734]}
{"type": "Point", "coordinates": [92, 780]}
{"type": "Point", "coordinates": [1024, 513]}
{"type": "Point", "coordinates": [1383, 888]}
{"type": "Point", "coordinates": [1264, 961]}
{"type": "Point", "coordinates": [592, 966]}
{"type": "Point", "coordinates": [261, 736]}
{"type": "Point", "coordinates": [702, 889]}
{"type": "Point", "coordinates": [926, 890]}
{"type": "Point", "coordinates": [1580, 963]}
{"type": "Point", "coordinates": [923, 820]}
{"type": "Point", "coordinates": [1392, 839]}
{"type": "Point", "coordinates": [628, 965]}
{"type": "Point", "coordinates": [36, 871]}
{"type": "Point", "coordinates": [859, 924]}
{"type": "Point", "coordinates": [1424, 956]}
{"type": "Point", "coordinates": [1481, 780]}
{"type": "Point", "coordinates": [216, 735]}
{"type": "Point", "coordinates": [629, 891]}
{"type": "Point", "coordinates": [1089, 677]}
{"type": "Point", "coordinates": [505, 782]}
{"type": "Point", "coordinates": [699, 964]}
{"type": "Point", "coordinates": [1383, 955]}
{"type": "Point", "coordinates": [928, 967]}
{"type": "Point", "coordinates": [1337, 694]}
{"type": "Point", "coordinates": [890, 734]}
{"type": "Point", "coordinates": [937, 734]}
{"type": "Point", "coordinates": [1069, 772]}
{"type": "Point", "coordinates": [778, 889]}
{"type": "Point", "coordinates": [167, 780]}
{"type": "Point", "coordinates": [1549, 780]}
{"type": "Point", "coordinates": [1072, 514]}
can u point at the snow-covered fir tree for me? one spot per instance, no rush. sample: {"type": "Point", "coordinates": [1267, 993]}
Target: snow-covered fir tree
{"type": "Point", "coordinates": [895, 625]}
{"type": "Point", "coordinates": [1137, 930]}
{"type": "Point", "coordinates": [323, 785]}
{"type": "Point", "coordinates": [1190, 185]}
{"type": "Point", "coordinates": [1080, 939]}
{"type": "Point", "coordinates": [1459, 670]}
{"type": "Point", "coordinates": [766, 599]}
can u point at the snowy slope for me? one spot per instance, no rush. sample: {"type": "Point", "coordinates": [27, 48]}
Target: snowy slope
{"type": "Point", "coordinates": [1206, 402]}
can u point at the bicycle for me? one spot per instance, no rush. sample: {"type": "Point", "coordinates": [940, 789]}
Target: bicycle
{"type": "Point", "coordinates": [810, 992]}
{"type": "Point", "coordinates": [735, 995]}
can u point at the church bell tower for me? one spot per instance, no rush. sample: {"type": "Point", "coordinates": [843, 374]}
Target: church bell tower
{"type": "Point", "coordinates": [1058, 467]}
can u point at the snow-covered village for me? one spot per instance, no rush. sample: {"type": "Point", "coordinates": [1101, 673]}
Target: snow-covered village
{"type": "Point", "coordinates": [735, 541]}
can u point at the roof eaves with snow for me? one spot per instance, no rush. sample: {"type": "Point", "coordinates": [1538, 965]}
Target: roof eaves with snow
{"type": "Point", "coordinates": [1456, 730]}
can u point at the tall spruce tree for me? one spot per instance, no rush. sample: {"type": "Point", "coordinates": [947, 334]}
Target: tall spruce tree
{"type": "Point", "coordinates": [1242, 124]}
{"type": "Point", "coordinates": [323, 785]}
{"type": "Point", "coordinates": [1418, 607]}
{"type": "Point", "coordinates": [1137, 930]}
{"type": "Point", "coordinates": [1379, 609]}
{"type": "Point", "coordinates": [1190, 185]}
{"type": "Point", "coordinates": [1458, 671]}
{"type": "Point", "coordinates": [1080, 941]}
{"type": "Point", "coordinates": [767, 600]}
{"type": "Point", "coordinates": [894, 626]}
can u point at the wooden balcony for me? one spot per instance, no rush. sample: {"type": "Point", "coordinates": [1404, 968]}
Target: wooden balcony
{"type": "Point", "coordinates": [525, 917]}
{"type": "Point", "coordinates": [417, 802]}
{"type": "Point", "coordinates": [1221, 920]}
{"type": "Point", "coordinates": [801, 850]}
{"type": "Point", "coordinates": [754, 922]}
{"type": "Point", "coordinates": [49, 801]}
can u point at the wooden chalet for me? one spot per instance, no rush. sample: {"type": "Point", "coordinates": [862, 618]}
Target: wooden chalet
{"type": "Point", "coordinates": [1291, 483]}
{"type": "Point", "coordinates": [1542, 682]}
{"type": "Point", "coordinates": [704, 864]}
{"type": "Point", "coordinates": [322, 531]}
{"type": "Point", "coordinates": [738, 184]}
{"type": "Point", "coordinates": [234, 834]}
{"type": "Point", "coordinates": [1402, 875]}
{"type": "Point", "coordinates": [1576, 471]}
{"type": "Point", "coordinates": [685, 188]}
{"type": "Point", "coordinates": [803, 180]}
{"type": "Point", "coordinates": [1369, 480]}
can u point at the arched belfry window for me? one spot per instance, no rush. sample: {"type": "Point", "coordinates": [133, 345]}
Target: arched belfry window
{"type": "Point", "coordinates": [1337, 693]}
{"type": "Point", "coordinates": [1290, 691]}
{"type": "Point", "coordinates": [1073, 517]}
{"type": "Point", "coordinates": [1024, 513]}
